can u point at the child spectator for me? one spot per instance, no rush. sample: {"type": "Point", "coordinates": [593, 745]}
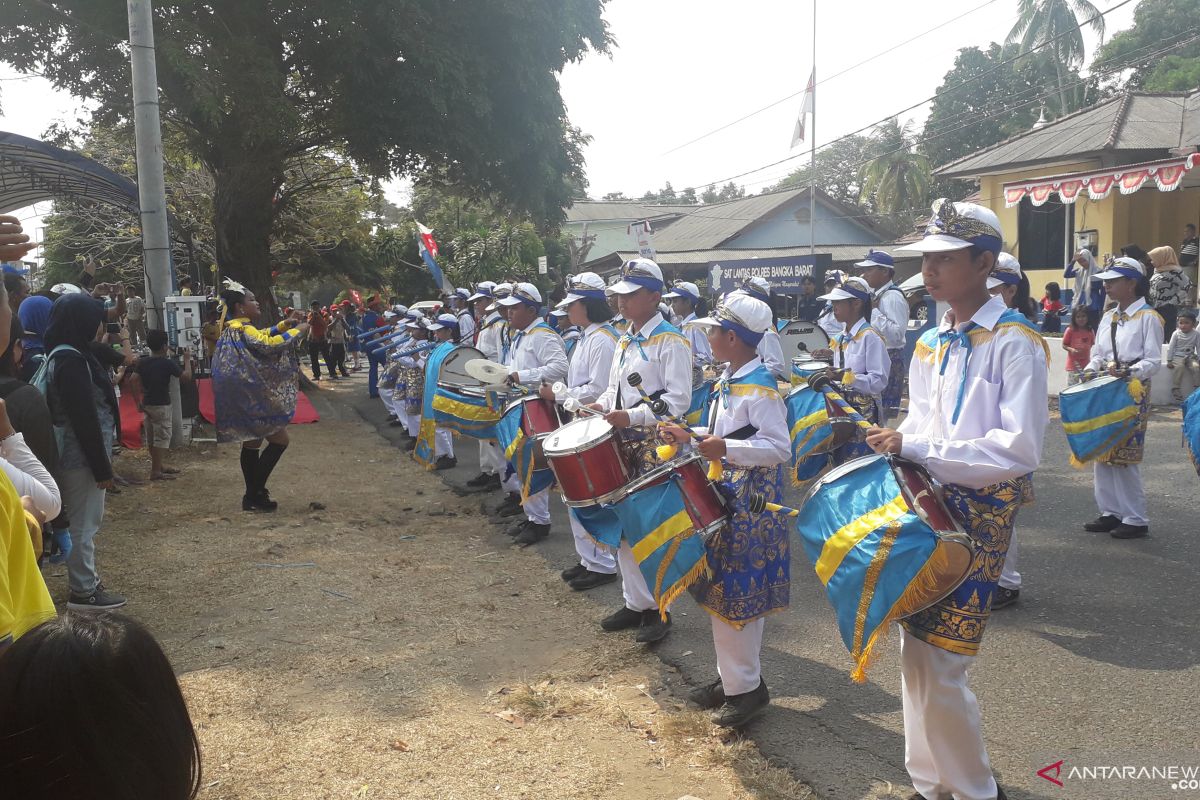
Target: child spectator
{"type": "Point", "coordinates": [1051, 305]}
{"type": "Point", "coordinates": [90, 707]}
{"type": "Point", "coordinates": [153, 375]}
{"type": "Point", "coordinates": [1182, 354]}
{"type": "Point", "coordinates": [1077, 341]}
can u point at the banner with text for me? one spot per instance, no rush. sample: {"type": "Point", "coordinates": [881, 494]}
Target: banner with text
{"type": "Point", "coordinates": [785, 273]}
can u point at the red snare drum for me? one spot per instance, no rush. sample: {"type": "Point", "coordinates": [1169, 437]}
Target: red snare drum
{"type": "Point", "coordinates": [587, 461]}
{"type": "Point", "coordinates": [539, 419]}
{"type": "Point", "coordinates": [703, 502]}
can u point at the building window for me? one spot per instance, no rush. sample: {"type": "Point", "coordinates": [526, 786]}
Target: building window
{"type": "Point", "coordinates": [1044, 234]}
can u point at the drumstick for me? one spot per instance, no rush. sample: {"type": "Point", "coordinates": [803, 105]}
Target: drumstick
{"type": "Point", "coordinates": [658, 408]}
{"type": "Point", "coordinates": [821, 383]}
{"type": "Point", "coordinates": [756, 504]}
{"type": "Point", "coordinates": [573, 406]}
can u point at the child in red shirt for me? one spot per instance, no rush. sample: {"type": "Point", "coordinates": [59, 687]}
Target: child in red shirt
{"type": "Point", "coordinates": [1077, 341]}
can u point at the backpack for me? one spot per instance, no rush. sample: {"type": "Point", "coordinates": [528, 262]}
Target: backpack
{"type": "Point", "coordinates": [41, 381]}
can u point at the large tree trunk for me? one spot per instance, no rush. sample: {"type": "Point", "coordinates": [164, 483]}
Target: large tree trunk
{"type": "Point", "coordinates": [1062, 94]}
{"type": "Point", "coordinates": [243, 216]}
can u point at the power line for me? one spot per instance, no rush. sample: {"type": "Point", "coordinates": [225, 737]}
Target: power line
{"type": "Point", "coordinates": [929, 99]}
{"type": "Point", "coordinates": [830, 78]}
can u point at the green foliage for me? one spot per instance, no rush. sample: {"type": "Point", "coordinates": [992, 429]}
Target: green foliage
{"type": "Point", "coordinates": [838, 169]}
{"type": "Point", "coordinates": [394, 86]}
{"type": "Point", "coordinates": [897, 178]}
{"type": "Point", "coordinates": [1058, 25]}
{"type": "Point", "coordinates": [1156, 24]}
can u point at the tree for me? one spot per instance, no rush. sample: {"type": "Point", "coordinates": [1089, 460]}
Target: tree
{"type": "Point", "coordinates": [688, 197]}
{"type": "Point", "coordinates": [1058, 24]}
{"type": "Point", "coordinates": [615, 197]}
{"type": "Point", "coordinates": [1156, 24]}
{"type": "Point", "coordinates": [709, 195]}
{"type": "Point", "coordinates": [398, 86]}
{"type": "Point", "coordinates": [896, 178]}
{"type": "Point", "coordinates": [838, 167]}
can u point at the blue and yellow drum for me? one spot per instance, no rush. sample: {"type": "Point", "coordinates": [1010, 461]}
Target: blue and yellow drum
{"type": "Point", "coordinates": [1098, 415]}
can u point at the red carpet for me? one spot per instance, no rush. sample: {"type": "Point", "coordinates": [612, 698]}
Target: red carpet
{"type": "Point", "coordinates": [131, 418]}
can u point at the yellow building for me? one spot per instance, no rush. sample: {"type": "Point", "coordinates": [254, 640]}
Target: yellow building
{"type": "Point", "coordinates": [1117, 173]}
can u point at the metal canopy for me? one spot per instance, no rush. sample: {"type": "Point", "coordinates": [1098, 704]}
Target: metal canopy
{"type": "Point", "coordinates": [32, 171]}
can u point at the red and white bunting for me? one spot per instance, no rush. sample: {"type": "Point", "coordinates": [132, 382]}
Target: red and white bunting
{"type": "Point", "coordinates": [1167, 175]}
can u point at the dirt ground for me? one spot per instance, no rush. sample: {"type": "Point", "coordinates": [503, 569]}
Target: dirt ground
{"type": "Point", "coordinates": [374, 639]}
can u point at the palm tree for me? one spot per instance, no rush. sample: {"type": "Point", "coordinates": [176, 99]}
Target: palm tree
{"type": "Point", "coordinates": [1057, 22]}
{"type": "Point", "coordinates": [897, 177]}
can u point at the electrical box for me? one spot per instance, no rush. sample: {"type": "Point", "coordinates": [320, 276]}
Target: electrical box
{"type": "Point", "coordinates": [1087, 240]}
{"type": "Point", "coordinates": [185, 318]}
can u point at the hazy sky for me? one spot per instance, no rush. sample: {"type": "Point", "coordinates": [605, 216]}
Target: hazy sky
{"type": "Point", "coordinates": [681, 68]}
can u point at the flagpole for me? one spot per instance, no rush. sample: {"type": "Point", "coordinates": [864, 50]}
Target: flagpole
{"type": "Point", "coordinates": [812, 158]}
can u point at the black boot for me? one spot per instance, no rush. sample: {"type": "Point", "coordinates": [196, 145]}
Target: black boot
{"type": "Point", "coordinates": [708, 697]}
{"type": "Point", "coordinates": [741, 708]}
{"type": "Point", "coordinates": [654, 627]}
{"type": "Point", "coordinates": [249, 461]}
{"type": "Point", "coordinates": [266, 465]}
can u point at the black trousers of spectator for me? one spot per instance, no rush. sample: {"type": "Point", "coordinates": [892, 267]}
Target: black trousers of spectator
{"type": "Point", "coordinates": [1170, 314]}
{"type": "Point", "coordinates": [318, 349]}
{"type": "Point", "coordinates": [337, 359]}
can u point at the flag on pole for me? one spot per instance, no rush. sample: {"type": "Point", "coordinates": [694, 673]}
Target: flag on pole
{"type": "Point", "coordinates": [429, 250]}
{"type": "Point", "coordinates": [806, 107]}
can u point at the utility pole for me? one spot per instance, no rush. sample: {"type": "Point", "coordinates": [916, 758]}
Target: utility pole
{"type": "Point", "coordinates": [152, 191]}
{"type": "Point", "coordinates": [152, 188]}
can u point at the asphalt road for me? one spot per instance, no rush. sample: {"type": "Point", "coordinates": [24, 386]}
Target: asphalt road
{"type": "Point", "coordinates": [1095, 666]}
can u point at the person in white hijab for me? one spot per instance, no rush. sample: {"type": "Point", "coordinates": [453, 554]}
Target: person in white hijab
{"type": "Point", "coordinates": [1083, 269]}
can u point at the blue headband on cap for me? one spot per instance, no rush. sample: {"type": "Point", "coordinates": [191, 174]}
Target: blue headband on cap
{"type": "Point", "coordinates": [595, 294]}
{"type": "Point", "coordinates": [1004, 276]}
{"type": "Point", "coordinates": [880, 258]}
{"type": "Point", "coordinates": [679, 290]}
{"type": "Point", "coordinates": [745, 334]}
{"type": "Point", "coordinates": [645, 281]}
{"type": "Point", "coordinates": [859, 293]}
{"type": "Point", "coordinates": [1128, 272]}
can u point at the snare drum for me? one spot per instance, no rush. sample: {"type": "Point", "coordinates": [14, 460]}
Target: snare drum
{"type": "Point", "coordinates": [586, 458]}
{"type": "Point", "coordinates": [453, 369]}
{"type": "Point", "coordinates": [703, 502]}
{"type": "Point", "coordinates": [539, 419]}
{"type": "Point", "coordinates": [1097, 416]}
{"type": "Point", "coordinates": [884, 545]}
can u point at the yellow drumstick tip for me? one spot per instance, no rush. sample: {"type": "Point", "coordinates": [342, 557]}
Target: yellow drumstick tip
{"type": "Point", "coordinates": [715, 470]}
{"type": "Point", "coordinates": [666, 452]}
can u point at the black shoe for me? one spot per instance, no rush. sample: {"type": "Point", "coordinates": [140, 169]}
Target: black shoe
{"type": "Point", "coordinates": [1000, 795]}
{"type": "Point", "coordinates": [395, 423]}
{"type": "Point", "coordinates": [534, 532]}
{"type": "Point", "coordinates": [516, 528]}
{"type": "Point", "coordinates": [741, 708]}
{"type": "Point", "coordinates": [264, 502]}
{"type": "Point", "coordinates": [445, 462]}
{"type": "Point", "coordinates": [708, 697]}
{"type": "Point", "coordinates": [654, 627]}
{"type": "Point", "coordinates": [479, 481]}
{"type": "Point", "coordinates": [99, 600]}
{"type": "Point", "coordinates": [590, 580]}
{"type": "Point", "coordinates": [511, 500]}
{"type": "Point", "coordinates": [410, 445]}
{"type": "Point", "coordinates": [1004, 597]}
{"type": "Point", "coordinates": [391, 418]}
{"type": "Point", "coordinates": [1123, 531]}
{"type": "Point", "coordinates": [571, 573]}
{"type": "Point", "coordinates": [1102, 524]}
{"type": "Point", "coordinates": [622, 620]}
{"type": "Point", "coordinates": [345, 374]}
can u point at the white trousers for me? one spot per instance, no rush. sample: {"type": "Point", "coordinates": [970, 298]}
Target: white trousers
{"type": "Point", "coordinates": [1009, 577]}
{"type": "Point", "coordinates": [386, 396]}
{"type": "Point", "coordinates": [633, 586]}
{"type": "Point", "coordinates": [737, 655]}
{"type": "Point", "coordinates": [1119, 493]}
{"type": "Point", "coordinates": [490, 460]}
{"type": "Point", "coordinates": [443, 443]}
{"type": "Point", "coordinates": [592, 556]}
{"type": "Point", "coordinates": [943, 742]}
{"type": "Point", "coordinates": [411, 421]}
{"type": "Point", "coordinates": [537, 507]}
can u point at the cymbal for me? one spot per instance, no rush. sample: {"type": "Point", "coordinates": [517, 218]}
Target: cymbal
{"type": "Point", "coordinates": [485, 371]}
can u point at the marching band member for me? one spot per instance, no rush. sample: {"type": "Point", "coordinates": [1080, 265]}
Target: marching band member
{"type": "Point", "coordinates": [571, 334]}
{"type": "Point", "coordinates": [890, 318]}
{"type": "Point", "coordinates": [770, 349]}
{"type": "Point", "coordinates": [486, 338]}
{"type": "Point", "coordinates": [464, 314]}
{"type": "Point", "coordinates": [372, 319]}
{"type": "Point", "coordinates": [659, 353]}
{"type": "Point", "coordinates": [977, 416]}
{"type": "Point", "coordinates": [587, 379]}
{"type": "Point", "coordinates": [746, 426]}
{"type": "Point", "coordinates": [618, 321]}
{"type": "Point", "coordinates": [414, 380]}
{"type": "Point", "coordinates": [1129, 338]}
{"type": "Point", "coordinates": [445, 329]}
{"type": "Point", "coordinates": [859, 357]}
{"type": "Point", "coordinates": [826, 321]}
{"type": "Point", "coordinates": [535, 355]}
{"type": "Point", "coordinates": [685, 299]}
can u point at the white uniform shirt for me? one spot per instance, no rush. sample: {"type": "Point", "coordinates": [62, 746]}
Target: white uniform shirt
{"type": "Point", "coordinates": [1002, 421]}
{"type": "Point", "coordinates": [666, 364]}
{"type": "Point", "coordinates": [862, 351]}
{"type": "Point", "coordinates": [1139, 340]}
{"type": "Point", "coordinates": [890, 316]}
{"type": "Point", "coordinates": [466, 326]}
{"type": "Point", "coordinates": [770, 350]}
{"type": "Point", "coordinates": [591, 363]}
{"type": "Point", "coordinates": [537, 354]}
{"type": "Point", "coordinates": [754, 405]}
{"type": "Point", "coordinates": [489, 337]}
{"type": "Point", "coordinates": [698, 338]}
{"type": "Point", "coordinates": [829, 324]}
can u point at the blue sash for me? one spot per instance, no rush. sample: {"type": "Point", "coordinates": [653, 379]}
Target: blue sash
{"type": "Point", "coordinates": [424, 451]}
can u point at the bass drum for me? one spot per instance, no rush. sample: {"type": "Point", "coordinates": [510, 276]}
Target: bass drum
{"type": "Point", "coordinates": [453, 372]}
{"type": "Point", "coordinates": [798, 336]}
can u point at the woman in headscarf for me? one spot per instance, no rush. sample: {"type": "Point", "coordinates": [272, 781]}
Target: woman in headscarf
{"type": "Point", "coordinates": [254, 376]}
{"type": "Point", "coordinates": [35, 316]}
{"type": "Point", "coordinates": [1088, 292]}
{"type": "Point", "coordinates": [1170, 287]}
{"type": "Point", "coordinates": [84, 407]}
